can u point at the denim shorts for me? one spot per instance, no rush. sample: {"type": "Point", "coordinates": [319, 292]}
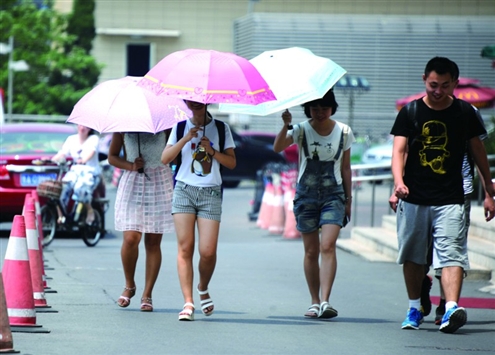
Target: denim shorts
{"type": "Point", "coordinates": [312, 208]}
{"type": "Point", "coordinates": [204, 202]}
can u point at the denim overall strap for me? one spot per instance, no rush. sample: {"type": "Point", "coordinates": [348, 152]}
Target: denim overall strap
{"type": "Point", "coordinates": [341, 147]}
{"type": "Point", "coordinates": [304, 142]}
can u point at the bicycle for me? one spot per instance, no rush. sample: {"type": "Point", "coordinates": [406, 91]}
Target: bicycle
{"type": "Point", "coordinates": [74, 215]}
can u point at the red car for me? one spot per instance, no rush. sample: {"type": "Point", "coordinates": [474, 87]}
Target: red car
{"type": "Point", "coordinates": [20, 143]}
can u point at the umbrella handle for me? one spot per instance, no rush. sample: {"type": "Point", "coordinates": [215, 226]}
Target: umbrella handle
{"type": "Point", "coordinates": [140, 170]}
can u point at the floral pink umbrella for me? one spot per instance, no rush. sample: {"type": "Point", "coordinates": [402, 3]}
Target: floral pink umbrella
{"type": "Point", "coordinates": [120, 105]}
{"type": "Point", "coordinates": [467, 90]}
{"type": "Point", "coordinates": [208, 76]}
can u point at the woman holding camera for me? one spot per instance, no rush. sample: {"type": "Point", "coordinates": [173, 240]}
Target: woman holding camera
{"type": "Point", "coordinates": [197, 199]}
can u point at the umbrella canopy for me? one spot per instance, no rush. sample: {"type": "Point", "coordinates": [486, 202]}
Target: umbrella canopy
{"type": "Point", "coordinates": [467, 90]}
{"type": "Point", "coordinates": [120, 105]}
{"type": "Point", "coordinates": [208, 76]}
{"type": "Point", "coordinates": [295, 75]}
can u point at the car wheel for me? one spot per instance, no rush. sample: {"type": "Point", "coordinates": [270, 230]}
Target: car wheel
{"type": "Point", "coordinates": [231, 184]}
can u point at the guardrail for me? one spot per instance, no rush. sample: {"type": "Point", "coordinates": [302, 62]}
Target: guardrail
{"type": "Point", "coordinates": [376, 179]}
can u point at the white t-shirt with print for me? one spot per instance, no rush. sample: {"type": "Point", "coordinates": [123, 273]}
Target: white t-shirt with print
{"type": "Point", "coordinates": [325, 147]}
{"type": "Point", "coordinates": [184, 174]}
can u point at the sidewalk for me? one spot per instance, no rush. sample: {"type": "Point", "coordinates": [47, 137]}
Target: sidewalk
{"type": "Point", "coordinates": [260, 296]}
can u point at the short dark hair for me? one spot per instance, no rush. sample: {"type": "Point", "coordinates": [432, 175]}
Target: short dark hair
{"type": "Point", "coordinates": [442, 65]}
{"type": "Point", "coordinates": [326, 101]}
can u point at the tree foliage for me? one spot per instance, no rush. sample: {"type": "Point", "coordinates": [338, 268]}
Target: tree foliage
{"type": "Point", "coordinates": [82, 24]}
{"type": "Point", "coordinates": [60, 73]}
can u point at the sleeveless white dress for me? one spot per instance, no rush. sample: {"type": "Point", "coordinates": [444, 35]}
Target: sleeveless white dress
{"type": "Point", "coordinates": [143, 201]}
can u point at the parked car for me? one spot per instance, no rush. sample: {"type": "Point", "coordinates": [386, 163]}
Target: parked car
{"type": "Point", "coordinates": [290, 153]}
{"type": "Point", "coordinates": [251, 155]}
{"type": "Point", "coordinates": [379, 154]}
{"type": "Point", "coordinates": [20, 144]}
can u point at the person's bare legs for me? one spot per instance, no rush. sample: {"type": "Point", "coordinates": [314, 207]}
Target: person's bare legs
{"type": "Point", "coordinates": [90, 213]}
{"type": "Point", "coordinates": [311, 243]}
{"type": "Point", "coordinates": [208, 240]}
{"type": "Point", "coordinates": [129, 254]}
{"type": "Point", "coordinates": [451, 281]}
{"type": "Point", "coordinates": [328, 266]}
{"type": "Point", "coordinates": [152, 244]}
{"type": "Point", "coordinates": [413, 277]}
{"type": "Point", "coordinates": [184, 228]}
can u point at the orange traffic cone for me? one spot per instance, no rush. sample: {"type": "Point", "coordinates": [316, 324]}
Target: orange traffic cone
{"type": "Point", "coordinates": [39, 226]}
{"type": "Point", "coordinates": [16, 275]}
{"type": "Point", "coordinates": [289, 181]}
{"type": "Point", "coordinates": [6, 341]}
{"type": "Point", "coordinates": [34, 253]}
{"type": "Point", "coordinates": [276, 225]}
{"type": "Point", "coordinates": [290, 230]}
{"type": "Point", "coordinates": [266, 208]}
{"type": "Point", "coordinates": [116, 176]}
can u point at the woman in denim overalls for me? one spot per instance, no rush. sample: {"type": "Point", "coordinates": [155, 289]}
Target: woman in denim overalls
{"type": "Point", "coordinates": [323, 193]}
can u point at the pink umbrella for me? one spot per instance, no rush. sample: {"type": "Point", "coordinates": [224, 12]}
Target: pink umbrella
{"type": "Point", "coordinates": [120, 105]}
{"type": "Point", "coordinates": [208, 76]}
{"type": "Point", "coordinates": [467, 90]}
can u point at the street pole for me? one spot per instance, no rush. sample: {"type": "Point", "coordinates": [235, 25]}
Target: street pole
{"type": "Point", "coordinates": [351, 108]}
{"type": "Point", "coordinates": [10, 89]}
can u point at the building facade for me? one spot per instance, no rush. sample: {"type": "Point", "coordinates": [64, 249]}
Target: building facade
{"type": "Point", "coordinates": [364, 36]}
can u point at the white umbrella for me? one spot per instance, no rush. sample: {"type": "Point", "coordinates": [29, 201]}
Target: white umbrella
{"type": "Point", "coordinates": [295, 75]}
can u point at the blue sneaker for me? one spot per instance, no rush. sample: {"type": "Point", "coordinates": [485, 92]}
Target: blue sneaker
{"type": "Point", "coordinates": [453, 319]}
{"type": "Point", "coordinates": [413, 319]}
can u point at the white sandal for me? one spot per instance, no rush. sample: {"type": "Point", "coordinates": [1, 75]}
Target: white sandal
{"type": "Point", "coordinates": [313, 311]}
{"type": "Point", "coordinates": [206, 303]}
{"type": "Point", "coordinates": [327, 311]}
{"type": "Point", "coordinates": [187, 313]}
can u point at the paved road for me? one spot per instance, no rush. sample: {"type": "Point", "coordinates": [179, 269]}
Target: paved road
{"type": "Point", "coordinates": [260, 296]}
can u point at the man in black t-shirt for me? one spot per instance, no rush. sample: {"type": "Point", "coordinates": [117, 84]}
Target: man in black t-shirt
{"type": "Point", "coordinates": [427, 168]}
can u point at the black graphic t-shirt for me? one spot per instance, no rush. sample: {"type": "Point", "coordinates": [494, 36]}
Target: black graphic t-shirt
{"type": "Point", "coordinates": [437, 143]}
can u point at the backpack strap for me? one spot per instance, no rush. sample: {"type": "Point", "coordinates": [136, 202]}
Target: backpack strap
{"type": "Point", "coordinates": [221, 134]}
{"type": "Point", "coordinates": [221, 137]}
{"type": "Point", "coordinates": [179, 133]}
{"type": "Point", "coordinates": [412, 109]}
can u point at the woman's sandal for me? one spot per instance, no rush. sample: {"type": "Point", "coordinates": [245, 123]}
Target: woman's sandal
{"type": "Point", "coordinates": [187, 313]}
{"type": "Point", "coordinates": [146, 304]}
{"type": "Point", "coordinates": [207, 303]}
{"type": "Point", "coordinates": [126, 301]}
{"type": "Point", "coordinates": [313, 311]}
{"type": "Point", "coordinates": [327, 311]}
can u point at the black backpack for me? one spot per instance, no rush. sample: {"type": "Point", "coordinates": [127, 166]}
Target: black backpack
{"type": "Point", "coordinates": [181, 126]}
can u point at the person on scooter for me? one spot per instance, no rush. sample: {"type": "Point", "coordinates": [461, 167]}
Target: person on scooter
{"type": "Point", "coordinates": [84, 174]}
